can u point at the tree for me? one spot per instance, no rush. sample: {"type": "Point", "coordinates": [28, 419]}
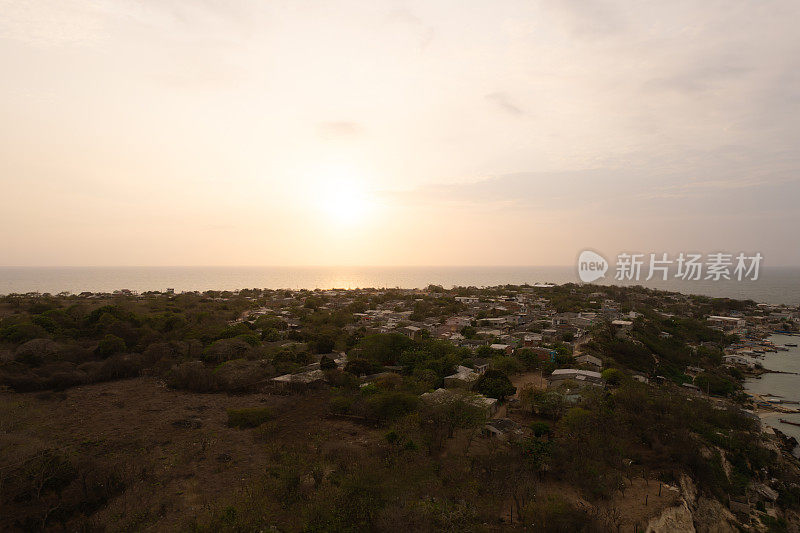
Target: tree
{"type": "Point", "coordinates": [494, 384]}
{"type": "Point", "coordinates": [548, 403]}
{"type": "Point", "coordinates": [386, 348]}
{"type": "Point", "coordinates": [361, 367]}
{"type": "Point", "coordinates": [110, 345]}
{"type": "Point", "coordinates": [386, 406]}
{"type": "Point", "coordinates": [469, 332]}
{"type": "Point", "coordinates": [513, 472]}
{"type": "Point", "coordinates": [507, 364]}
{"type": "Point", "coordinates": [613, 376]}
{"type": "Point", "coordinates": [528, 357]}
{"type": "Point", "coordinates": [441, 418]}
{"type": "Point", "coordinates": [322, 342]}
{"type": "Point", "coordinates": [714, 384]}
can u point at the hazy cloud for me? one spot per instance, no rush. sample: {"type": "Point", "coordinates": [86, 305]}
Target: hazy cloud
{"type": "Point", "coordinates": [628, 192]}
{"type": "Point", "coordinates": [681, 110]}
{"type": "Point", "coordinates": [504, 102]}
{"type": "Point", "coordinates": [340, 129]}
{"type": "Point", "coordinates": [424, 32]}
{"type": "Point", "coordinates": [588, 18]}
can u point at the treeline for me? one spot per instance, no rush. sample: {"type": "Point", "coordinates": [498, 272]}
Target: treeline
{"type": "Point", "coordinates": [57, 342]}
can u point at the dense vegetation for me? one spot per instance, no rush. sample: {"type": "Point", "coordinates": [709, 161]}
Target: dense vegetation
{"type": "Point", "coordinates": [412, 460]}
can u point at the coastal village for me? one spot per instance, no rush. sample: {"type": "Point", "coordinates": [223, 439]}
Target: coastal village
{"type": "Point", "coordinates": [521, 319]}
{"type": "Point", "coordinates": [464, 374]}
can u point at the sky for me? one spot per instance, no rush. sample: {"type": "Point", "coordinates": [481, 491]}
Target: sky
{"type": "Point", "coordinates": [232, 132]}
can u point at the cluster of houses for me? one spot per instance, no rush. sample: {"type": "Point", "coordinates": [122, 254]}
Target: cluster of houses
{"type": "Point", "coordinates": [752, 330]}
{"type": "Point", "coordinates": [766, 319]}
{"type": "Point", "coordinates": [503, 323]}
{"type": "Point", "coordinates": [519, 319]}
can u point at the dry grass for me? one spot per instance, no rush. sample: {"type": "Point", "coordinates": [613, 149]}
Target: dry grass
{"type": "Point", "coordinates": [175, 450]}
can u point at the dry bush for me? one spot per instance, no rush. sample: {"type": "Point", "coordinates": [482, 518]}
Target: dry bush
{"type": "Point", "coordinates": [36, 351]}
{"type": "Point", "coordinates": [46, 487]}
{"type": "Point", "coordinates": [63, 380]}
{"type": "Point", "coordinates": [241, 375]}
{"type": "Point", "coordinates": [20, 378]}
{"type": "Point", "coordinates": [192, 376]}
{"type": "Point", "coordinates": [117, 367]}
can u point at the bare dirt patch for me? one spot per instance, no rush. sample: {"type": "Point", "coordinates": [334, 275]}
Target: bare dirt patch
{"type": "Point", "coordinates": [528, 379]}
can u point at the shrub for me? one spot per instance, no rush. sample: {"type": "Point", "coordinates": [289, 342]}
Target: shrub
{"type": "Point", "coordinates": [389, 382]}
{"type": "Point", "coordinates": [715, 384]}
{"type": "Point", "coordinates": [250, 339]}
{"type": "Point", "coordinates": [226, 349]}
{"type": "Point", "coordinates": [339, 378]}
{"type": "Point", "coordinates": [541, 429]}
{"type": "Point", "coordinates": [390, 405]}
{"type": "Point", "coordinates": [340, 405]}
{"type": "Point", "coordinates": [64, 380]}
{"type": "Point", "coordinates": [46, 471]}
{"type": "Point", "coordinates": [21, 332]}
{"type": "Point", "coordinates": [21, 379]}
{"type": "Point", "coordinates": [110, 345]}
{"type": "Point", "coordinates": [613, 376]}
{"type": "Point", "coordinates": [241, 375]}
{"type": "Point", "coordinates": [368, 389]}
{"type": "Point", "coordinates": [270, 335]}
{"type": "Point", "coordinates": [554, 513]}
{"type": "Point", "coordinates": [249, 417]}
{"type": "Point", "coordinates": [117, 367]}
{"type": "Point", "coordinates": [36, 351]}
{"type": "Point", "coordinates": [192, 376]}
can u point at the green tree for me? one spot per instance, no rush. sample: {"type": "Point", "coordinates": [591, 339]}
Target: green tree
{"type": "Point", "coordinates": [110, 345]}
{"type": "Point", "coordinates": [613, 376]}
{"type": "Point", "coordinates": [494, 384]}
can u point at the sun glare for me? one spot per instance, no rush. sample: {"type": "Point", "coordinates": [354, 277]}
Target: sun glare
{"type": "Point", "coordinates": [342, 197]}
{"type": "Point", "coordinates": [346, 204]}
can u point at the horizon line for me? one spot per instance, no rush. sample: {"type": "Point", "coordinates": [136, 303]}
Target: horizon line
{"type": "Point", "coordinates": [573, 265]}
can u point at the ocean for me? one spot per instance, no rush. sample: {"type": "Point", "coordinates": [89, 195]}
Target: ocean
{"type": "Point", "coordinates": [775, 285]}
{"type": "Point", "coordinates": [784, 386]}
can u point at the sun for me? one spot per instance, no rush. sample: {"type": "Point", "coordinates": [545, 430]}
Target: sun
{"type": "Point", "coordinates": [342, 196]}
{"type": "Point", "coordinates": [346, 203]}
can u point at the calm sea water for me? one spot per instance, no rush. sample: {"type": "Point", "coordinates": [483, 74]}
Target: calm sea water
{"type": "Point", "coordinates": [786, 386]}
{"type": "Point", "coordinates": [776, 284]}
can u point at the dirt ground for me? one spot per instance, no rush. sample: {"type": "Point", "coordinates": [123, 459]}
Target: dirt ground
{"type": "Point", "coordinates": [180, 459]}
{"type": "Point", "coordinates": [180, 440]}
{"type": "Point", "coordinates": [642, 501]}
{"type": "Point", "coordinates": [526, 379]}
